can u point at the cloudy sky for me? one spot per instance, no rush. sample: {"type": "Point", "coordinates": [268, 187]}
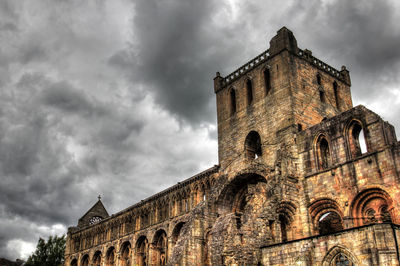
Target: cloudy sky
{"type": "Point", "coordinates": [116, 97]}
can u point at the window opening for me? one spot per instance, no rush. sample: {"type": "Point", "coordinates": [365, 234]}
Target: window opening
{"type": "Point", "coordinates": [284, 227]}
{"type": "Point", "coordinates": [267, 80]}
{"type": "Point", "coordinates": [233, 101]}
{"type": "Point", "coordinates": [335, 92]}
{"type": "Point", "coordinates": [342, 260]}
{"type": "Point", "coordinates": [330, 222]}
{"type": "Point", "coordinates": [322, 96]}
{"type": "Point", "coordinates": [357, 140]}
{"type": "Point", "coordinates": [249, 88]}
{"type": "Point", "coordinates": [323, 153]}
{"type": "Point", "coordinates": [253, 145]}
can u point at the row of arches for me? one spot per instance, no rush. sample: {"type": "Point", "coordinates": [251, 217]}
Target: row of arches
{"type": "Point", "coordinates": [370, 206]}
{"type": "Point", "coordinates": [143, 253]}
{"type": "Point", "coordinates": [246, 196]}
{"type": "Point", "coordinates": [266, 73]}
{"type": "Point", "coordinates": [175, 204]}
{"type": "Point", "coordinates": [355, 142]}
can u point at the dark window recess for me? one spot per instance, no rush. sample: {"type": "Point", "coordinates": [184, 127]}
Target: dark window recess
{"type": "Point", "coordinates": [249, 89]}
{"type": "Point", "coordinates": [335, 92]}
{"type": "Point", "coordinates": [233, 101]}
{"type": "Point", "coordinates": [323, 153]}
{"type": "Point", "coordinates": [267, 80]}
{"type": "Point", "coordinates": [253, 145]}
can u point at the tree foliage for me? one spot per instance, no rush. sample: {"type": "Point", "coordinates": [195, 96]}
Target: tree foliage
{"type": "Point", "coordinates": [50, 253]}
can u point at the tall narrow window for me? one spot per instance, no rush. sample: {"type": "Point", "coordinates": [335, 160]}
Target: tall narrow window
{"type": "Point", "coordinates": [335, 92]}
{"type": "Point", "coordinates": [323, 153]}
{"type": "Point", "coordinates": [322, 96]}
{"type": "Point", "coordinates": [319, 79]}
{"type": "Point", "coordinates": [249, 89]}
{"type": "Point", "coordinates": [357, 139]}
{"type": "Point", "coordinates": [267, 80]}
{"type": "Point", "coordinates": [253, 145]}
{"type": "Point", "coordinates": [284, 227]}
{"type": "Point", "coordinates": [233, 101]}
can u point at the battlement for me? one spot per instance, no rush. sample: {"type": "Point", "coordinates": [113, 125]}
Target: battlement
{"type": "Point", "coordinates": [284, 40]}
{"type": "Point", "coordinates": [253, 63]}
{"type": "Point", "coordinates": [342, 75]}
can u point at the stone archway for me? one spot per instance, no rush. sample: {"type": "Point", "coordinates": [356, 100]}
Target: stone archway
{"type": "Point", "coordinates": [372, 205]}
{"type": "Point", "coordinates": [142, 251]}
{"type": "Point", "coordinates": [160, 248]}
{"type": "Point", "coordinates": [339, 255]}
{"type": "Point", "coordinates": [246, 221]}
{"type": "Point", "coordinates": [97, 258]}
{"type": "Point", "coordinates": [126, 254]}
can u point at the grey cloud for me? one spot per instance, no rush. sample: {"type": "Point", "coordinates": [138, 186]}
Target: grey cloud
{"type": "Point", "coordinates": [364, 36]}
{"type": "Point", "coordinates": [62, 96]}
{"type": "Point", "coordinates": [176, 55]}
{"type": "Point", "coordinates": [8, 27]}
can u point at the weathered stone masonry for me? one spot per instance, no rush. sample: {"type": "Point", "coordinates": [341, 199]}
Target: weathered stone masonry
{"type": "Point", "coordinates": [304, 178]}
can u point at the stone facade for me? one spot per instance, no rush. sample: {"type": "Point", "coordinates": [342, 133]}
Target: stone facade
{"type": "Point", "coordinates": [304, 178]}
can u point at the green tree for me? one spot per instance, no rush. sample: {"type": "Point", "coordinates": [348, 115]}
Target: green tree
{"type": "Point", "coordinates": [50, 253]}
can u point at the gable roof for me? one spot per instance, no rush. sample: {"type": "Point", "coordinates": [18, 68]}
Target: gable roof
{"type": "Point", "coordinates": [97, 210]}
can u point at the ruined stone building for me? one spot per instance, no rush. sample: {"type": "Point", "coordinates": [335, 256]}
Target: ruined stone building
{"type": "Point", "coordinates": [303, 178]}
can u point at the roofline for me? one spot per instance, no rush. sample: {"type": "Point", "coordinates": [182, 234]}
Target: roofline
{"type": "Point", "coordinates": [207, 172]}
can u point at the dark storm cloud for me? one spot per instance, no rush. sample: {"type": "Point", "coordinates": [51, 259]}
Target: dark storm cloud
{"type": "Point", "coordinates": [363, 35]}
{"type": "Point", "coordinates": [178, 47]}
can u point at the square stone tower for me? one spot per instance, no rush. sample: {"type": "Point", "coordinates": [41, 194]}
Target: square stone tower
{"type": "Point", "coordinates": [284, 88]}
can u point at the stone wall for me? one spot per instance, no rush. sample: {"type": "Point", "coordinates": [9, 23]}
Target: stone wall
{"type": "Point", "coordinates": [367, 245]}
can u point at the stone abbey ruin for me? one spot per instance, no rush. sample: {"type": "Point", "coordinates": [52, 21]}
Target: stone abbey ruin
{"type": "Point", "coordinates": [303, 178]}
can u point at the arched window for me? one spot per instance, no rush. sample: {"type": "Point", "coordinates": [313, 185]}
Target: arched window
{"type": "Point", "coordinates": [74, 262]}
{"type": "Point", "coordinates": [125, 254]}
{"type": "Point", "coordinates": [142, 251]}
{"type": "Point", "coordinates": [372, 206]}
{"type": "Point", "coordinates": [110, 257]}
{"type": "Point", "coordinates": [97, 258]}
{"type": "Point", "coordinates": [267, 80]}
{"type": "Point", "coordinates": [253, 145]}
{"type": "Point", "coordinates": [286, 212]}
{"type": "Point", "coordinates": [330, 222]}
{"type": "Point", "coordinates": [356, 138]}
{"type": "Point", "coordinates": [177, 232]}
{"type": "Point", "coordinates": [323, 153]}
{"type": "Point", "coordinates": [249, 89]}
{"type": "Point", "coordinates": [335, 92]}
{"type": "Point", "coordinates": [284, 226]}
{"type": "Point", "coordinates": [339, 256]}
{"type": "Point", "coordinates": [233, 101]}
{"type": "Point", "coordinates": [85, 260]}
{"type": "Point", "coordinates": [326, 216]}
{"type": "Point", "coordinates": [161, 248]}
